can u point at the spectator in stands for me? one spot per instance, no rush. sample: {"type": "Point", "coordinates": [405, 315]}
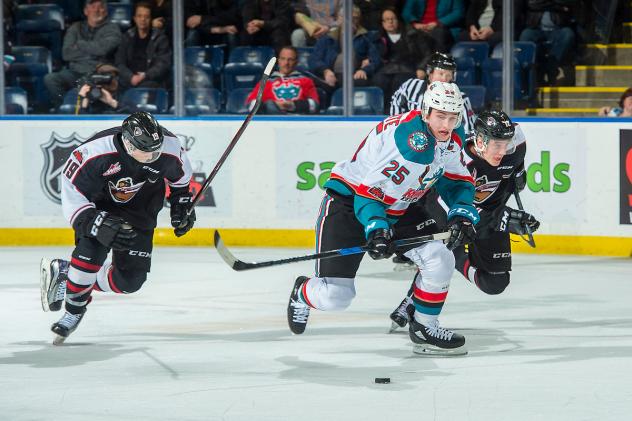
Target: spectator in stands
{"type": "Point", "coordinates": [548, 24]}
{"type": "Point", "coordinates": [623, 110]}
{"type": "Point", "coordinates": [436, 22]}
{"type": "Point", "coordinates": [101, 97]}
{"type": "Point", "coordinates": [266, 22]}
{"type": "Point", "coordinates": [144, 57]}
{"type": "Point", "coordinates": [484, 22]}
{"type": "Point", "coordinates": [372, 11]}
{"type": "Point", "coordinates": [397, 52]}
{"type": "Point", "coordinates": [86, 44]}
{"type": "Point", "coordinates": [326, 59]}
{"type": "Point", "coordinates": [287, 91]}
{"type": "Point", "coordinates": [161, 14]}
{"type": "Point", "coordinates": [212, 22]}
{"type": "Point", "coordinates": [315, 18]}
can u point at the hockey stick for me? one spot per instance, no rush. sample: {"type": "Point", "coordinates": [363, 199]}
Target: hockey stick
{"type": "Point", "coordinates": [240, 265]}
{"type": "Point", "coordinates": [530, 240]}
{"type": "Point", "coordinates": [231, 145]}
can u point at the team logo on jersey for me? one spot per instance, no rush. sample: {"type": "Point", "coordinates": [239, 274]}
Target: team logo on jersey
{"type": "Point", "coordinates": [376, 192]}
{"type": "Point", "coordinates": [413, 195]}
{"type": "Point", "coordinates": [484, 188]}
{"type": "Point", "coordinates": [114, 168]}
{"type": "Point", "coordinates": [124, 189]}
{"type": "Point", "coordinates": [285, 89]}
{"type": "Point", "coordinates": [427, 180]}
{"type": "Point", "coordinates": [56, 152]}
{"type": "Point", "coordinates": [418, 141]}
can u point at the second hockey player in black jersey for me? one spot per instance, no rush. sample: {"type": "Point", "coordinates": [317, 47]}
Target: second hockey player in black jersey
{"type": "Point", "coordinates": [495, 158]}
{"type": "Point", "coordinates": [113, 187]}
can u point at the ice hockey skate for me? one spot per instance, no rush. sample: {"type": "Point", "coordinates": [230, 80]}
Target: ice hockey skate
{"type": "Point", "coordinates": [435, 341]}
{"type": "Point", "coordinates": [53, 276]}
{"type": "Point", "coordinates": [65, 326]}
{"type": "Point", "coordinates": [402, 314]}
{"type": "Point", "coordinates": [297, 312]}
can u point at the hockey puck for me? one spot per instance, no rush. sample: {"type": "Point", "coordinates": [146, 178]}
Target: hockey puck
{"type": "Point", "coordinates": [382, 380]}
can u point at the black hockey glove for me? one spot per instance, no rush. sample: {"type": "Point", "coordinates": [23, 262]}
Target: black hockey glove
{"type": "Point", "coordinates": [111, 231]}
{"type": "Point", "coordinates": [181, 220]}
{"type": "Point", "coordinates": [517, 221]}
{"type": "Point", "coordinates": [461, 232]}
{"type": "Point", "coordinates": [521, 180]}
{"type": "Point", "coordinates": [379, 244]}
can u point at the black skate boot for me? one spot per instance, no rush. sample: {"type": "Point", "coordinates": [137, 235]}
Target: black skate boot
{"type": "Point", "coordinates": [297, 312]}
{"type": "Point", "coordinates": [403, 263]}
{"type": "Point", "coordinates": [402, 314]}
{"type": "Point", "coordinates": [65, 326]}
{"type": "Point", "coordinates": [53, 276]}
{"type": "Point", "coordinates": [433, 340]}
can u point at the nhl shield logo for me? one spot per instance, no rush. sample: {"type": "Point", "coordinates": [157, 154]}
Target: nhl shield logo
{"type": "Point", "coordinates": [56, 151]}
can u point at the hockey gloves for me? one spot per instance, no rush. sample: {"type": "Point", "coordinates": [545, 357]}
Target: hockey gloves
{"type": "Point", "coordinates": [110, 230]}
{"type": "Point", "coordinates": [181, 220]}
{"type": "Point", "coordinates": [379, 244]}
{"type": "Point", "coordinates": [461, 232]}
{"type": "Point", "coordinates": [517, 221]}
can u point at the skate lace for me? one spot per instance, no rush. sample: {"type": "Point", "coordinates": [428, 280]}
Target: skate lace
{"type": "Point", "coordinates": [61, 291]}
{"type": "Point", "coordinates": [300, 312]}
{"type": "Point", "coordinates": [70, 320]}
{"type": "Point", "coordinates": [439, 332]}
{"type": "Point", "coordinates": [401, 310]}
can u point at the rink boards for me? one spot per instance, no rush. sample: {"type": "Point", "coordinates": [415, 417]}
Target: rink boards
{"type": "Point", "coordinates": [268, 191]}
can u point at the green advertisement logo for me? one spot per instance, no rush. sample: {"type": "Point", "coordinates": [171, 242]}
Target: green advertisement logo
{"type": "Point", "coordinates": [309, 175]}
{"type": "Point", "coordinates": [539, 175]}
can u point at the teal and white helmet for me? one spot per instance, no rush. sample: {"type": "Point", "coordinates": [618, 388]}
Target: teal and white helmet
{"type": "Point", "coordinates": [443, 96]}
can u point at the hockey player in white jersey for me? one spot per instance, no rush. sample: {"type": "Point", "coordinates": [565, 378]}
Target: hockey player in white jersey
{"type": "Point", "coordinates": [113, 187]}
{"type": "Point", "coordinates": [395, 165]}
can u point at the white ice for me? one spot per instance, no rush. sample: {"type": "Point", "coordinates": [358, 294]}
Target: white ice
{"type": "Point", "coordinates": [201, 342]}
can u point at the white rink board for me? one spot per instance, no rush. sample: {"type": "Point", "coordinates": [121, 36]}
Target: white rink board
{"type": "Point", "coordinates": [257, 187]}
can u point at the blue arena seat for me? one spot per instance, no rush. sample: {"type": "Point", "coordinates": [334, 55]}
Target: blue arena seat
{"type": "Point", "coordinates": [251, 55]}
{"type": "Point", "coordinates": [121, 14]}
{"type": "Point", "coordinates": [465, 71]}
{"type": "Point", "coordinates": [479, 51]}
{"type": "Point", "coordinates": [236, 103]}
{"type": "Point", "coordinates": [476, 94]}
{"type": "Point", "coordinates": [493, 79]}
{"type": "Point", "coordinates": [28, 70]}
{"type": "Point", "coordinates": [202, 101]}
{"type": "Point", "coordinates": [15, 100]}
{"type": "Point", "coordinates": [40, 25]}
{"type": "Point", "coordinates": [153, 100]}
{"type": "Point", "coordinates": [241, 75]}
{"type": "Point", "coordinates": [525, 54]}
{"type": "Point", "coordinates": [366, 101]}
{"type": "Point", "coordinates": [69, 104]}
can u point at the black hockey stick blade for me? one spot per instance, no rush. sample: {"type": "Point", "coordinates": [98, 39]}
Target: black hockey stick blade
{"type": "Point", "coordinates": [240, 265]}
{"type": "Point", "coordinates": [530, 239]}
{"type": "Point", "coordinates": [233, 142]}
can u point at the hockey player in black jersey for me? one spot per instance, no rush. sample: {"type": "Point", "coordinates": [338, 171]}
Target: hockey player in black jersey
{"type": "Point", "coordinates": [495, 158]}
{"type": "Point", "coordinates": [113, 187]}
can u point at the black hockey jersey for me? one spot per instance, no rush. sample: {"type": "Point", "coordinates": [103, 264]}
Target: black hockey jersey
{"type": "Point", "coordinates": [100, 174]}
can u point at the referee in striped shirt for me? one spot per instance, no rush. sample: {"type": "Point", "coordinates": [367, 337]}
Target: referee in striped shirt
{"type": "Point", "coordinates": [410, 95]}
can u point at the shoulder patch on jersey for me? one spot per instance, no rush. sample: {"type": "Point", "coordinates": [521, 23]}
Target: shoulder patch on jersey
{"type": "Point", "coordinates": [413, 141]}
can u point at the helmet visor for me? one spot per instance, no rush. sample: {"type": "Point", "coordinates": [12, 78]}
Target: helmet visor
{"type": "Point", "coordinates": [139, 155]}
{"type": "Point", "coordinates": [501, 146]}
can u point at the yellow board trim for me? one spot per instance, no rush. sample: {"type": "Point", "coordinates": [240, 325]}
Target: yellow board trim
{"type": "Point", "coordinates": [582, 89]}
{"type": "Point", "coordinates": [546, 244]}
{"type": "Point", "coordinates": [603, 67]}
{"type": "Point", "coordinates": [622, 45]}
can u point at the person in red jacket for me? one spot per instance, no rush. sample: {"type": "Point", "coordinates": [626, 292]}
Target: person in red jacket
{"type": "Point", "coordinates": [287, 90]}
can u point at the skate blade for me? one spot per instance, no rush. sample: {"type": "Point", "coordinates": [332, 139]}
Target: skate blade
{"type": "Point", "coordinates": [433, 351]}
{"type": "Point", "coordinates": [59, 340]}
{"type": "Point", "coordinates": [394, 327]}
{"type": "Point", "coordinates": [45, 277]}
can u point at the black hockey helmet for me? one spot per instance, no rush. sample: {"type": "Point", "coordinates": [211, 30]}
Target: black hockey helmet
{"type": "Point", "coordinates": [441, 61]}
{"type": "Point", "coordinates": [143, 131]}
{"type": "Point", "coordinates": [494, 124]}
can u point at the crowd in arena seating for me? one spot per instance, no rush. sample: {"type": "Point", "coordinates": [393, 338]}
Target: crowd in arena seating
{"type": "Point", "coordinates": [99, 57]}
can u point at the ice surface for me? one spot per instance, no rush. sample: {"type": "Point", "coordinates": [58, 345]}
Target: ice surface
{"type": "Point", "coordinates": [201, 342]}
